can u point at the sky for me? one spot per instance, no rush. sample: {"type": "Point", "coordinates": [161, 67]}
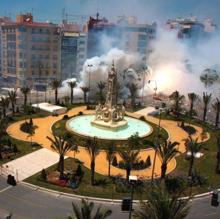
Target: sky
{"type": "Point", "coordinates": [147, 11]}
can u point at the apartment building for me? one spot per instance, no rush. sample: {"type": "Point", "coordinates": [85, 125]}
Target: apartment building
{"type": "Point", "coordinates": [30, 52]}
{"type": "Point", "coordinates": [73, 50]}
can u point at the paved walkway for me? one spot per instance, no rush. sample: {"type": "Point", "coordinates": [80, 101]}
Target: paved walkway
{"type": "Point", "coordinates": [30, 164]}
{"type": "Point", "coordinates": [44, 130]}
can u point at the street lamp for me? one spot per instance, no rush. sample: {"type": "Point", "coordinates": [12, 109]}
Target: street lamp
{"type": "Point", "coordinates": [155, 88]}
{"type": "Point", "coordinates": [155, 148]}
{"type": "Point", "coordinates": [89, 66]}
{"type": "Point", "coordinates": [132, 181]}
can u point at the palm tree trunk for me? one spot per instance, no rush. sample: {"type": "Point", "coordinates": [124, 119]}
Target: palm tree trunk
{"type": "Point", "coordinates": [71, 97]}
{"type": "Point", "coordinates": [85, 97]}
{"type": "Point", "coordinates": [25, 100]}
{"type": "Point", "coordinates": [163, 170]}
{"type": "Point", "coordinates": [4, 112]}
{"type": "Point", "coordinates": [92, 172]}
{"type": "Point", "coordinates": [217, 163]}
{"type": "Point", "coordinates": [204, 113]}
{"type": "Point", "coordinates": [109, 168]}
{"type": "Point", "coordinates": [217, 119]}
{"type": "Point", "coordinates": [191, 165]}
{"type": "Point", "coordinates": [61, 166]}
{"type": "Point", "coordinates": [13, 108]}
{"type": "Point", "coordinates": [56, 94]}
{"type": "Point", "coordinates": [191, 108]}
{"type": "Point", "coordinates": [128, 171]}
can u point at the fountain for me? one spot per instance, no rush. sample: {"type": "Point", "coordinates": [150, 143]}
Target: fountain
{"type": "Point", "coordinates": [110, 115]}
{"type": "Point", "coordinates": [109, 121]}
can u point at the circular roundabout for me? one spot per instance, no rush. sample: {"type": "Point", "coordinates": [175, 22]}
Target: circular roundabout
{"type": "Point", "coordinates": [83, 126]}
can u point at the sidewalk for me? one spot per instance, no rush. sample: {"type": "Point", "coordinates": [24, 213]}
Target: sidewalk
{"type": "Point", "coordinates": [30, 164]}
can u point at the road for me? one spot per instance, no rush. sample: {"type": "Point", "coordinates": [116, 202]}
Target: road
{"type": "Point", "coordinates": [27, 203]}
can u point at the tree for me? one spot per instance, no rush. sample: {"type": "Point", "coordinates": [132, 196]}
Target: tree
{"type": "Point", "coordinates": [61, 146]}
{"type": "Point", "coordinates": [129, 158]}
{"type": "Point", "coordinates": [193, 147]}
{"type": "Point", "coordinates": [162, 205]}
{"type": "Point", "coordinates": [133, 93]}
{"type": "Point", "coordinates": [85, 90]}
{"type": "Point", "coordinates": [206, 100]}
{"type": "Point", "coordinates": [167, 151]}
{"type": "Point", "coordinates": [86, 211]}
{"type": "Point", "coordinates": [216, 107]}
{"type": "Point", "coordinates": [13, 98]}
{"type": "Point", "coordinates": [192, 98]}
{"type": "Point", "coordinates": [4, 103]}
{"type": "Point", "coordinates": [72, 85]}
{"type": "Point", "coordinates": [25, 91]}
{"type": "Point", "coordinates": [209, 77]}
{"type": "Point", "coordinates": [178, 101]}
{"type": "Point", "coordinates": [93, 151]}
{"type": "Point", "coordinates": [55, 84]}
{"type": "Point", "coordinates": [101, 87]}
{"type": "Point", "coordinates": [217, 168]}
{"type": "Point", "coordinates": [110, 154]}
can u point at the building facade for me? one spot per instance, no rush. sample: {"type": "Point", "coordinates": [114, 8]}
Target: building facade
{"type": "Point", "coordinates": [126, 34]}
{"type": "Point", "coordinates": [30, 52]}
{"type": "Point", "coordinates": [73, 50]}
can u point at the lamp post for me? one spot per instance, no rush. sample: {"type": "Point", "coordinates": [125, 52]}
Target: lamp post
{"type": "Point", "coordinates": [155, 148]}
{"type": "Point", "coordinates": [132, 180]}
{"type": "Point", "coordinates": [89, 66]}
{"type": "Point", "coordinates": [39, 75]}
{"type": "Point", "coordinates": [155, 88]}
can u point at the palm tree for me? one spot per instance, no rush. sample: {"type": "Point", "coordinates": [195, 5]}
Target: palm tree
{"type": "Point", "coordinates": [216, 107]}
{"type": "Point", "coordinates": [217, 168]}
{"type": "Point", "coordinates": [4, 103]}
{"type": "Point", "coordinates": [101, 87]}
{"type": "Point", "coordinates": [133, 93]}
{"type": "Point", "coordinates": [192, 98]}
{"type": "Point", "coordinates": [55, 84]}
{"type": "Point", "coordinates": [86, 209]}
{"type": "Point", "coordinates": [178, 100]}
{"type": "Point", "coordinates": [12, 97]}
{"type": "Point", "coordinates": [193, 147]}
{"type": "Point", "coordinates": [209, 77]}
{"type": "Point", "coordinates": [206, 100]}
{"type": "Point", "coordinates": [85, 91]}
{"type": "Point", "coordinates": [167, 151]}
{"type": "Point", "coordinates": [93, 151]}
{"type": "Point", "coordinates": [61, 146]}
{"type": "Point", "coordinates": [110, 154]}
{"type": "Point", "coordinates": [25, 91]}
{"type": "Point", "coordinates": [162, 205]}
{"type": "Point", "coordinates": [72, 85]}
{"type": "Point", "coordinates": [129, 158]}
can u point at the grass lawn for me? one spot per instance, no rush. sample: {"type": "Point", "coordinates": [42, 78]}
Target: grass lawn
{"type": "Point", "coordinates": [105, 189]}
{"type": "Point", "coordinates": [205, 165]}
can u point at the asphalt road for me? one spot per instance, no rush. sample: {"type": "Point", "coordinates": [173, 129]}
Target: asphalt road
{"type": "Point", "coordinates": [26, 203]}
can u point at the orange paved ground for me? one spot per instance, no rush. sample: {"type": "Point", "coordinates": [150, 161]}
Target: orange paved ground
{"type": "Point", "coordinates": [44, 130]}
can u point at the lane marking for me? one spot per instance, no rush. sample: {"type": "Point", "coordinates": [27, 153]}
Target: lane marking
{"type": "Point", "coordinates": [5, 189]}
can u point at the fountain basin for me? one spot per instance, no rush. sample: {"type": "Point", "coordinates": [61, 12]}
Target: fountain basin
{"type": "Point", "coordinates": [83, 126]}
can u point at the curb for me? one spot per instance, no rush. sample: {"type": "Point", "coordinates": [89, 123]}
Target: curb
{"type": "Point", "coordinates": [112, 201]}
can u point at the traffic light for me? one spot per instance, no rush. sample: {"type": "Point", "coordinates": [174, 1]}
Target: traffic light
{"type": "Point", "coordinates": [126, 203]}
{"type": "Point", "coordinates": [214, 201]}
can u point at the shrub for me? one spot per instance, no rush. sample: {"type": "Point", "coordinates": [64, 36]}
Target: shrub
{"type": "Point", "coordinates": [175, 184]}
{"type": "Point", "coordinates": [80, 113]}
{"type": "Point", "coordinates": [142, 118]}
{"type": "Point", "coordinates": [79, 170]}
{"type": "Point", "coordinates": [148, 162]}
{"type": "Point", "coordinates": [65, 117]}
{"type": "Point", "coordinates": [43, 175]}
{"type": "Point", "coordinates": [115, 161]}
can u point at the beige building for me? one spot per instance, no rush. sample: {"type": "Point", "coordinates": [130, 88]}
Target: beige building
{"type": "Point", "coordinates": [30, 52]}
